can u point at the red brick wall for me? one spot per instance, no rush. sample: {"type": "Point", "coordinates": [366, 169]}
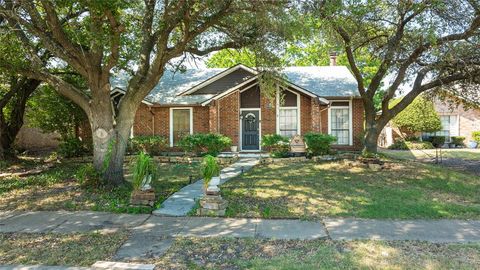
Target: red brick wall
{"type": "Point", "coordinates": [268, 116]}
{"type": "Point", "coordinates": [314, 117]}
{"type": "Point", "coordinates": [143, 121]}
{"type": "Point", "coordinates": [229, 116]}
{"type": "Point", "coordinates": [213, 117]}
{"type": "Point", "coordinates": [305, 114]}
{"type": "Point", "coordinates": [358, 115]}
{"type": "Point", "coordinates": [201, 120]}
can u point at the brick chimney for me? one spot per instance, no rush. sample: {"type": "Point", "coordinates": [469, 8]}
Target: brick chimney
{"type": "Point", "coordinates": [333, 58]}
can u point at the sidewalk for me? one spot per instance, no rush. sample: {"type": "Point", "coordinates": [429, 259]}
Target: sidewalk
{"type": "Point", "coordinates": [152, 235]}
{"type": "Point", "coordinates": [181, 202]}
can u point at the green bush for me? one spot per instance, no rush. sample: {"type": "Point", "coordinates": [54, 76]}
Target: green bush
{"type": "Point", "coordinates": [437, 141]}
{"type": "Point", "coordinates": [88, 177]}
{"type": "Point", "coordinates": [209, 169]}
{"type": "Point", "coordinates": [411, 145]}
{"type": "Point", "coordinates": [152, 145]}
{"type": "Point", "coordinates": [476, 136]}
{"type": "Point", "coordinates": [205, 143]}
{"type": "Point", "coordinates": [72, 147]}
{"type": "Point", "coordinates": [458, 141]}
{"type": "Point", "coordinates": [277, 145]}
{"type": "Point", "coordinates": [318, 143]}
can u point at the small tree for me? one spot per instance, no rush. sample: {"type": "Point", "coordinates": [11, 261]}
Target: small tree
{"type": "Point", "coordinates": [419, 116]}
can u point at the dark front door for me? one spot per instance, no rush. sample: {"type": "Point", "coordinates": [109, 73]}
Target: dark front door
{"type": "Point", "coordinates": [250, 130]}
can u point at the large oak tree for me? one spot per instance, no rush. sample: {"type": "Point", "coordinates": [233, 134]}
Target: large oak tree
{"type": "Point", "coordinates": [423, 45]}
{"type": "Point", "coordinates": [138, 37]}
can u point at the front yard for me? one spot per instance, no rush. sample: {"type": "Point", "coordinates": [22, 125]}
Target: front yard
{"type": "Point", "coordinates": [403, 190]}
{"type": "Point", "coordinates": [79, 249]}
{"type": "Point", "coordinates": [58, 189]}
{"type": "Point", "coordinates": [234, 253]}
{"type": "Point", "coordinates": [462, 153]}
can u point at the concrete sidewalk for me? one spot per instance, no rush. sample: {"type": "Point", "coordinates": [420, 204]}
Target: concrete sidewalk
{"type": "Point", "coordinates": [152, 235]}
{"type": "Point", "coordinates": [181, 202]}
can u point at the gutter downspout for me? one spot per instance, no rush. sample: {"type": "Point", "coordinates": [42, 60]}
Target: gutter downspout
{"type": "Point", "coordinates": [153, 120]}
{"type": "Point", "coordinates": [320, 114]}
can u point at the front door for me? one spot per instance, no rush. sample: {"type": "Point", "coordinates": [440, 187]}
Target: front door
{"type": "Point", "coordinates": [250, 130]}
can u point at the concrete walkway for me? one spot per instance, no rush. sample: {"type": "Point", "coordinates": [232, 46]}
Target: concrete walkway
{"type": "Point", "coordinates": [181, 202]}
{"type": "Point", "coordinates": [152, 235]}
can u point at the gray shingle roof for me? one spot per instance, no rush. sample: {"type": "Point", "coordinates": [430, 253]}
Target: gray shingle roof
{"type": "Point", "coordinates": [328, 81]}
{"type": "Point", "coordinates": [324, 81]}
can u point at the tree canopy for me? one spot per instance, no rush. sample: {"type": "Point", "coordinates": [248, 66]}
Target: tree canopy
{"type": "Point", "coordinates": [419, 116]}
{"type": "Point", "coordinates": [141, 38]}
{"type": "Point", "coordinates": [425, 45]}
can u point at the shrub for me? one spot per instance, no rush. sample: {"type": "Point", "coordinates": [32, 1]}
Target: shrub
{"type": "Point", "coordinates": [152, 145]}
{"type": "Point", "coordinates": [205, 143]}
{"type": "Point", "coordinates": [476, 136]}
{"type": "Point", "coordinates": [72, 147]}
{"type": "Point", "coordinates": [458, 141]}
{"type": "Point", "coordinates": [209, 169]}
{"type": "Point", "coordinates": [412, 138]}
{"type": "Point", "coordinates": [437, 141]}
{"type": "Point", "coordinates": [406, 145]}
{"type": "Point", "coordinates": [277, 145]}
{"type": "Point", "coordinates": [318, 143]}
{"type": "Point", "coordinates": [88, 177]}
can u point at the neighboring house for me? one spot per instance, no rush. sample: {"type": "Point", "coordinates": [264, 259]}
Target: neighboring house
{"type": "Point", "coordinates": [456, 121]}
{"type": "Point", "coordinates": [228, 101]}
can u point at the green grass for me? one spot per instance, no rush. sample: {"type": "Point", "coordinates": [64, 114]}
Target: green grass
{"type": "Point", "coordinates": [467, 154]}
{"type": "Point", "coordinates": [80, 249]}
{"type": "Point", "coordinates": [403, 190]}
{"type": "Point", "coordinates": [234, 253]}
{"type": "Point", "coordinates": [57, 189]}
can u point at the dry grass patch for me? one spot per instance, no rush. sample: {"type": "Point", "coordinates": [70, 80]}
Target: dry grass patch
{"type": "Point", "coordinates": [312, 190]}
{"type": "Point", "coordinates": [234, 253]}
{"type": "Point", "coordinates": [81, 249]}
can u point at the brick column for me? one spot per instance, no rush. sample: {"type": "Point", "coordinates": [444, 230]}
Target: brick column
{"type": "Point", "coordinates": [213, 117]}
{"type": "Point", "coordinates": [316, 117]}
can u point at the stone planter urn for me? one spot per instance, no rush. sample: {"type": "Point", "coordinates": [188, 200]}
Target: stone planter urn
{"type": "Point", "coordinates": [234, 148]}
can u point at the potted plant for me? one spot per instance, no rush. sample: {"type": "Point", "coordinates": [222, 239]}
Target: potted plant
{"type": "Point", "coordinates": [144, 172]}
{"type": "Point", "coordinates": [210, 171]}
{"type": "Point", "coordinates": [234, 148]}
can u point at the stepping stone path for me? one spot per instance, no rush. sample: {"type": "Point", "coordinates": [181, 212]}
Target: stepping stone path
{"type": "Point", "coordinates": [181, 202]}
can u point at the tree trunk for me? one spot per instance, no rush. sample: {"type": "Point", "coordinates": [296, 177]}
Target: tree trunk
{"type": "Point", "coordinates": [110, 138]}
{"type": "Point", "coordinates": [371, 138]}
{"type": "Point", "coordinates": [9, 129]}
{"type": "Point", "coordinates": [373, 127]}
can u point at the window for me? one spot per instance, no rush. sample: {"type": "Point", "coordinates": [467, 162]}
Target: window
{"type": "Point", "coordinates": [340, 125]}
{"type": "Point", "coordinates": [449, 128]}
{"type": "Point", "coordinates": [288, 125]}
{"type": "Point", "coordinates": [180, 124]}
{"type": "Point", "coordinates": [288, 113]}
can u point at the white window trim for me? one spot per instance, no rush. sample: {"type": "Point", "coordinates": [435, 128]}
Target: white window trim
{"type": "Point", "coordinates": [259, 129]}
{"type": "Point", "coordinates": [278, 108]}
{"type": "Point", "coordinates": [171, 121]}
{"type": "Point", "coordinates": [350, 120]}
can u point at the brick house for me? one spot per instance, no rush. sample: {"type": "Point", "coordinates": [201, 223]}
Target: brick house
{"type": "Point", "coordinates": [228, 101]}
{"type": "Point", "coordinates": [457, 120]}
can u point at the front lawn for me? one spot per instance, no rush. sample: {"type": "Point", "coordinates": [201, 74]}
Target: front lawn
{"type": "Point", "coordinates": [234, 253]}
{"type": "Point", "coordinates": [310, 190]}
{"type": "Point", "coordinates": [58, 189]}
{"type": "Point", "coordinates": [463, 153]}
{"type": "Point", "coordinates": [80, 249]}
